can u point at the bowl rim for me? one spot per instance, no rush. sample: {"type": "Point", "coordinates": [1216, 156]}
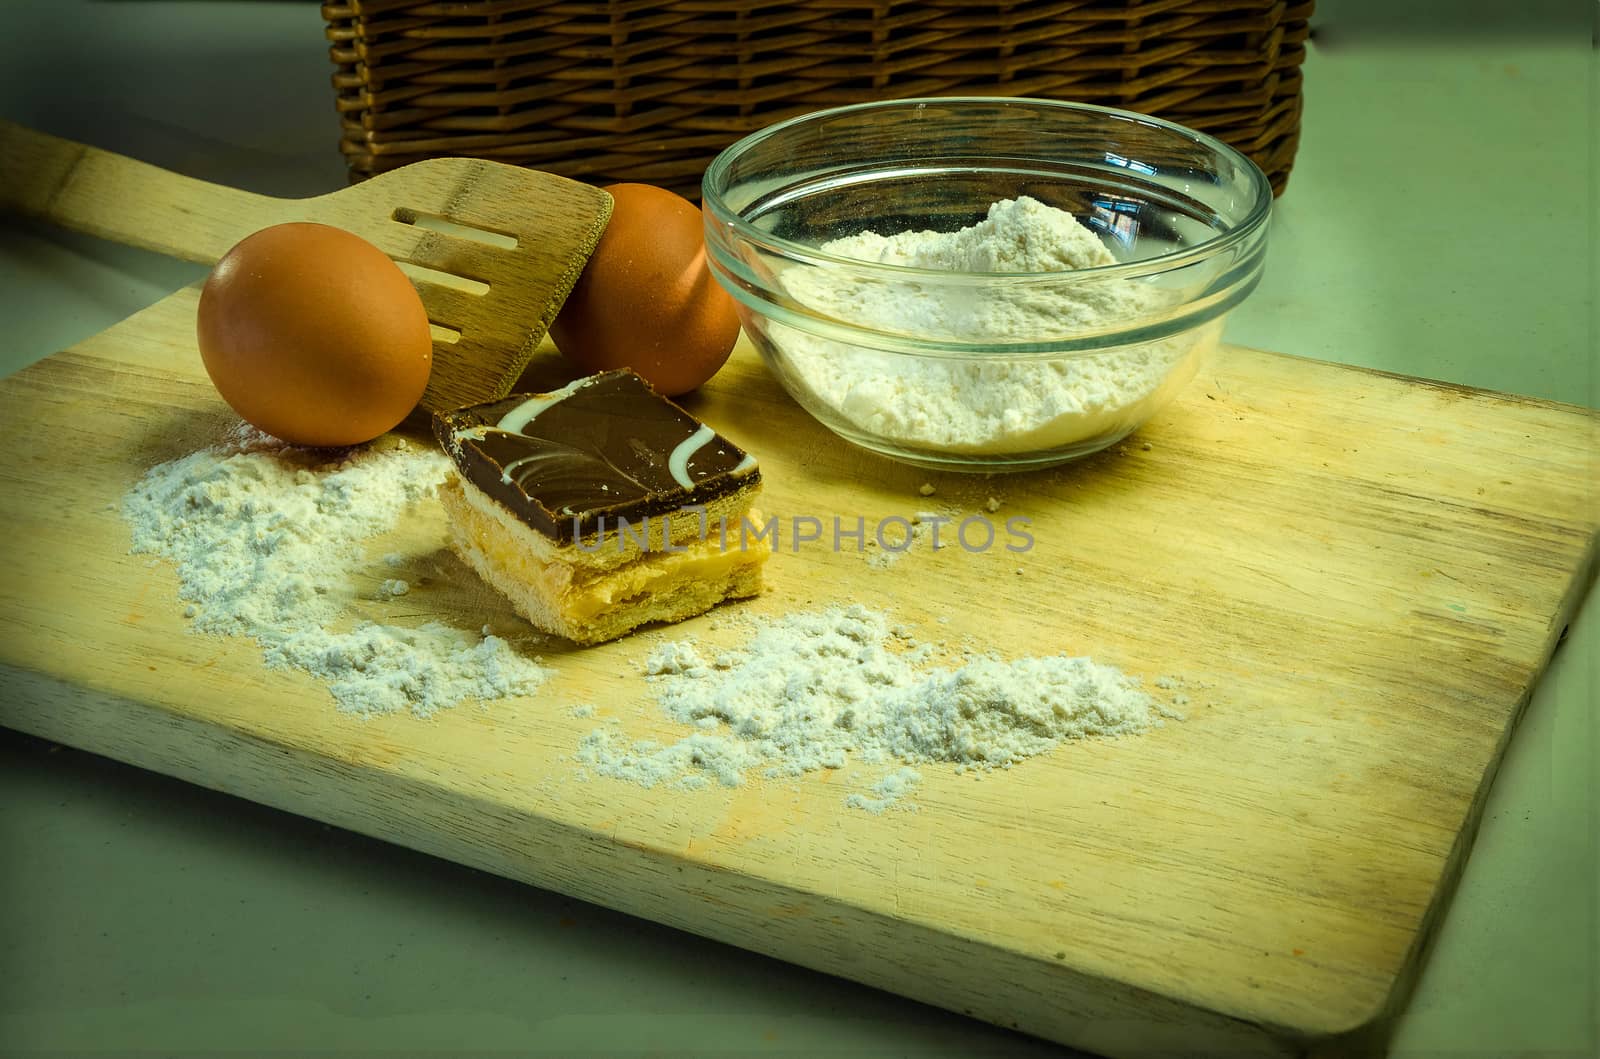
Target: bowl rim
{"type": "Point", "coordinates": [1246, 229]}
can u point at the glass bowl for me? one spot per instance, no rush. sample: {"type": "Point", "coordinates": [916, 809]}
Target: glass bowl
{"type": "Point", "coordinates": [1016, 345]}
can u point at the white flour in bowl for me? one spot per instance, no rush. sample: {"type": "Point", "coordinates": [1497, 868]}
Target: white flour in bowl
{"type": "Point", "coordinates": [970, 405]}
{"type": "Point", "coordinates": [269, 541]}
{"type": "Point", "coordinates": [821, 689]}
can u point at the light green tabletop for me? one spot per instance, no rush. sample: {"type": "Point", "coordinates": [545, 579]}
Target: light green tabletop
{"type": "Point", "coordinates": [1440, 222]}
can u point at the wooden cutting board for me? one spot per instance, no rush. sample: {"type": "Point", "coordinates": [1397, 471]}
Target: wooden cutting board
{"type": "Point", "coordinates": [1371, 571]}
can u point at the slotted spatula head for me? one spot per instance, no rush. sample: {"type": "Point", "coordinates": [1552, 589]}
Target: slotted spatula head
{"type": "Point", "coordinates": [494, 249]}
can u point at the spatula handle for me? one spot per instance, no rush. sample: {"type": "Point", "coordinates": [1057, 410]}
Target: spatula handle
{"type": "Point", "coordinates": [127, 201]}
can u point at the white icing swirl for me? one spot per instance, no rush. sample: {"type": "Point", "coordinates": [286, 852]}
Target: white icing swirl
{"type": "Point", "coordinates": [678, 462]}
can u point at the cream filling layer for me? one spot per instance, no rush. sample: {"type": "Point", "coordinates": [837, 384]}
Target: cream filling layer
{"type": "Point", "coordinates": [583, 593]}
{"type": "Point", "coordinates": [657, 576]}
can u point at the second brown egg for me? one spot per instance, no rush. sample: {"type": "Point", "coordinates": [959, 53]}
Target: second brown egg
{"type": "Point", "coordinates": [647, 300]}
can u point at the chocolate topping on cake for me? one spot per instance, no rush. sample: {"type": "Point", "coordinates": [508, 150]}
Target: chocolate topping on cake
{"type": "Point", "coordinates": [604, 446]}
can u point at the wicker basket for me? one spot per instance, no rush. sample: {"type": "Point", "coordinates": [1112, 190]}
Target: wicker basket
{"type": "Point", "coordinates": [651, 91]}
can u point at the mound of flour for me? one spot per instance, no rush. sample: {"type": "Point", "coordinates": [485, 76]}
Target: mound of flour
{"type": "Point", "coordinates": [816, 690]}
{"type": "Point", "coordinates": [972, 405]}
{"type": "Point", "coordinates": [269, 543]}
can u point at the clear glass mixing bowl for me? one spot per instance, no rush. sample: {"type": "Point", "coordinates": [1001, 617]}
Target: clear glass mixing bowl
{"type": "Point", "coordinates": [978, 369]}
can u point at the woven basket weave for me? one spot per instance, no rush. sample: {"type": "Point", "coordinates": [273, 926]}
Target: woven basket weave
{"type": "Point", "coordinates": [651, 91]}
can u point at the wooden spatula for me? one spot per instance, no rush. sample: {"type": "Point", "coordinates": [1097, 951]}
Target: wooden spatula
{"type": "Point", "coordinates": [494, 249]}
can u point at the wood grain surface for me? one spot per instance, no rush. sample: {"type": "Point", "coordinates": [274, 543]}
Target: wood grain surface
{"type": "Point", "coordinates": [1370, 572]}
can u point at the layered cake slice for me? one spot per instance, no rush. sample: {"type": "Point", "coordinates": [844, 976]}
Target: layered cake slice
{"type": "Point", "coordinates": [600, 506]}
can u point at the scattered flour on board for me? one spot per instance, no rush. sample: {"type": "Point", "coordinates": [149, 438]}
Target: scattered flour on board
{"type": "Point", "coordinates": [821, 689]}
{"type": "Point", "coordinates": [972, 405]}
{"type": "Point", "coordinates": [268, 543]}
{"type": "Point", "coordinates": [889, 792]}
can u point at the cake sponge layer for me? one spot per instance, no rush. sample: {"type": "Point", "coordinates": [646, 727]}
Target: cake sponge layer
{"type": "Point", "coordinates": [584, 602]}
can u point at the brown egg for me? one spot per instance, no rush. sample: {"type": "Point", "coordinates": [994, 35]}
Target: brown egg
{"type": "Point", "coordinates": [313, 335]}
{"type": "Point", "coordinates": [646, 299]}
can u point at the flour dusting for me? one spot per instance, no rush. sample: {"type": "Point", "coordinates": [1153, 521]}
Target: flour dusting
{"type": "Point", "coordinates": [268, 540]}
{"type": "Point", "coordinates": [824, 689]}
{"type": "Point", "coordinates": [888, 793]}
